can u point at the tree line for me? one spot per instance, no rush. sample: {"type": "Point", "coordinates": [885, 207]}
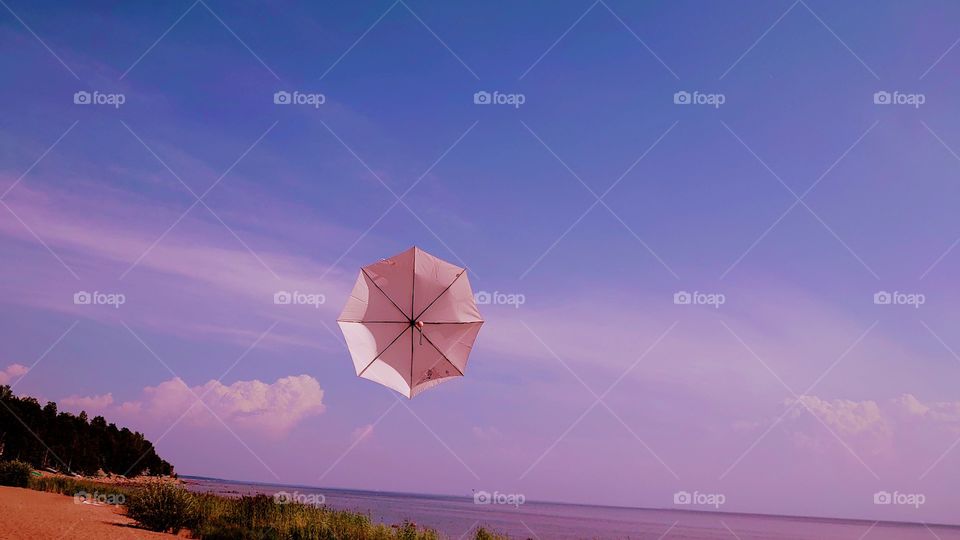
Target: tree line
{"type": "Point", "coordinates": [47, 438]}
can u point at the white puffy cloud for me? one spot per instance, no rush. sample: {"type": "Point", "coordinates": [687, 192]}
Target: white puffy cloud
{"type": "Point", "coordinates": [267, 408]}
{"type": "Point", "coordinates": [908, 408]}
{"type": "Point", "coordinates": [871, 427]}
{"type": "Point", "coordinates": [12, 373]}
{"type": "Point", "coordinates": [87, 403]}
{"type": "Point", "coordinates": [845, 416]}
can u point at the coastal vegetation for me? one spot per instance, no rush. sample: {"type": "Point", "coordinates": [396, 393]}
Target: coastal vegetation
{"type": "Point", "coordinates": [169, 507]}
{"type": "Point", "coordinates": [47, 438]}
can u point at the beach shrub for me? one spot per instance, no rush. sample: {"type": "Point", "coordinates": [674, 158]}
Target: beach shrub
{"type": "Point", "coordinates": [407, 531]}
{"type": "Point", "coordinates": [483, 534]}
{"type": "Point", "coordinates": [162, 507]}
{"type": "Point", "coordinates": [15, 473]}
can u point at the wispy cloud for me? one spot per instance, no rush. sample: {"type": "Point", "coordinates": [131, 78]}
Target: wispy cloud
{"type": "Point", "coordinates": [199, 263]}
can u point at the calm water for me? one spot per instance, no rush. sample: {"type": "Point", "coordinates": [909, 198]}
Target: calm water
{"type": "Point", "coordinates": [457, 516]}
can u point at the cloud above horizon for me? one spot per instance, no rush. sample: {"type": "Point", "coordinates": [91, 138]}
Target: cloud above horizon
{"type": "Point", "coordinates": [87, 403]}
{"type": "Point", "coordinates": [271, 409]}
{"type": "Point", "coordinates": [883, 430]}
{"type": "Point", "coordinates": [12, 373]}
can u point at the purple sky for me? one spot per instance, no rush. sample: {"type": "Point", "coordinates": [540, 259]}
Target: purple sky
{"type": "Point", "coordinates": [796, 199]}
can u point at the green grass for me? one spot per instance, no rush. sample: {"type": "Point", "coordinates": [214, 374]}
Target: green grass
{"type": "Point", "coordinates": [168, 507]}
{"type": "Point", "coordinates": [260, 517]}
{"type": "Point", "coordinates": [71, 486]}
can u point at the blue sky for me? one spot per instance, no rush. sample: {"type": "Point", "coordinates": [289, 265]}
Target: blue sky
{"type": "Point", "coordinates": [700, 198]}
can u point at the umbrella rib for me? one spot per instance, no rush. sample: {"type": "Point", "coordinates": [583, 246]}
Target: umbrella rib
{"type": "Point", "coordinates": [381, 353]}
{"type": "Point", "coordinates": [413, 283]}
{"type": "Point", "coordinates": [384, 293]}
{"type": "Point", "coordinates": [462, 272]}
{"type": "Point", "coordinates": [361, 321]}
{"type": "Point", "coordinates": [410, 384]}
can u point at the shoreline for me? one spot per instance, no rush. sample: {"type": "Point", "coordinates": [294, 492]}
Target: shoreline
{"type": "Point", "coordinates": [165, 504]}
{"type": "Point", "coordinates": [52, 512]}
{"type": "Point", "coordinates": [438, 496]}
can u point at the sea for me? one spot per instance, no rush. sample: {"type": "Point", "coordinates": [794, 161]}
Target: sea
{"type": "Point", "coordinates": [458, 517]}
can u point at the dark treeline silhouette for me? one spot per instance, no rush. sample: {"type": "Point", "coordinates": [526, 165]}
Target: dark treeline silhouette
{"type": "Point", "coordinates": [71, 443]}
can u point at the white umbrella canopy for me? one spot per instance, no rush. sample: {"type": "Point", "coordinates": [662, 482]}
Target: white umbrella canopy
{"type": "Point", "coordinates": [410, 322]}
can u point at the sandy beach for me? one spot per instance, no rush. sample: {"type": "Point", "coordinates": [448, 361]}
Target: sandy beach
{"type": "Point", "coordinates": [35, 514]}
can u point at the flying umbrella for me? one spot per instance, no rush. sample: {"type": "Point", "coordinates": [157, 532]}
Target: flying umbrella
{"type": "Point", "coordinates": [410, 322]}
